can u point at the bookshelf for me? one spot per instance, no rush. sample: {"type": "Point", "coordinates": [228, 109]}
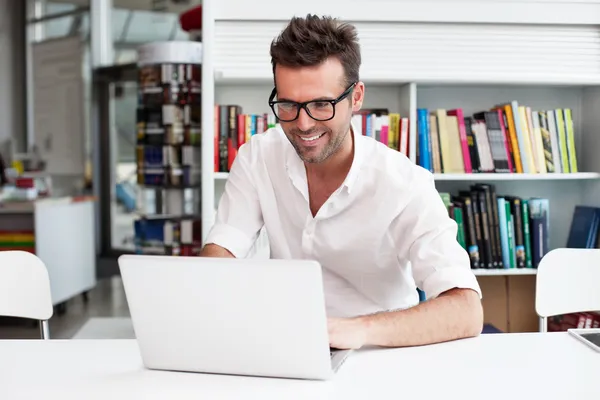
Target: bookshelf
{"type": "Point", "coordinates": [168, 149]}
{"type": "Point", "coordinates": [505, 272]}
{"type": "Point", "coordinates": [488, 177]}
{"type": "Point", "coordinates": [431, 54]}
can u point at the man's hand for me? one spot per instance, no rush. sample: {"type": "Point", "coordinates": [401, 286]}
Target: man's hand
{"type": "Point", "coordinates": [346, 333]}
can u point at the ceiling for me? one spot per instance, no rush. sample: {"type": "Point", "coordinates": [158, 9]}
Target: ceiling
{"type": "Point", "coordinates": [129, 27]}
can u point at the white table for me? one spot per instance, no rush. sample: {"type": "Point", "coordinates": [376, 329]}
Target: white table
{"type": "Point", "coordinates": [496, 366]}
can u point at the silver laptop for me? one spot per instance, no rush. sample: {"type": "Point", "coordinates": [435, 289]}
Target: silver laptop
{"type": "Point", "coordinates": [230, 316]}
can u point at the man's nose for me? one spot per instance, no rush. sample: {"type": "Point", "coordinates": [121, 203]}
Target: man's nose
{"type": "Point", "coordinates": [304, 121]}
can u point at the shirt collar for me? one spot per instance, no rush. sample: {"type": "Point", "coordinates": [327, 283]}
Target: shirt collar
{"type": "Point", "coordinates": [297, 172]}
{"type": "Point", "coordinates": [358, 159]}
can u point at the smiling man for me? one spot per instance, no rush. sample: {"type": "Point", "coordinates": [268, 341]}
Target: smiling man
{"type": "Point", "coordinates": [370, 216]}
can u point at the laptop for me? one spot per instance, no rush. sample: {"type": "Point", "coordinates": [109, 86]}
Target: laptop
{"type": "Point", "coordinates": [588, 336]}
{"type": "Point", "coordinates": [253, 317]}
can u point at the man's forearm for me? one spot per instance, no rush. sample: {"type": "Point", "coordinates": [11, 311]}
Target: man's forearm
{"type": "Point", "coordinates": [213, 250]}
{"type": "Point", "coordinates": [453, 315]}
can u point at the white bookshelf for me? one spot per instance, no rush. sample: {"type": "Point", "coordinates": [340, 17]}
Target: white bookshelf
{"type": "Point", "coordinates": [505, 272]}
{"type": "Point", "coordinates": [484, 177]}
{"type": "Point", "coordinates": [432, 54]}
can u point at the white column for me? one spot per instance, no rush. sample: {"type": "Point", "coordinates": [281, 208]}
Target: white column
{"type": "Point", "coordinates": [208, 103]}
{"type": "Point", "coordinates": [101, 32]}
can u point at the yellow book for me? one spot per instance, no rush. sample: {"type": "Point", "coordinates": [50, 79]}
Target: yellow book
{"type": "Point", "coordinates": [512, 137]}
{"type": "Point", "coordinates": [456, 157]}
{"type": "Point", "coordinates": [394, 131]}
{"type": "Point", "coordinates": [445, 151]}
{"type": "Point", "coordinates": [435, 145]}
{"type": "Point", "coordinates": [526, 138]}
{"type": "Point", "coordinates": [562, 140]}
{"type": "Point", "coordinates": [248, 133]}
{"type": "Point", "coordinates": [539, 142]}
{"type": "Point", "coordinates": [570, 140]}
{"type": "Point", "coordinates": [16, 237]}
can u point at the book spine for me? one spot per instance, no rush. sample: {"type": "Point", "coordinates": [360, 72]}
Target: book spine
{"type": "Point", "coordinates": [570, 133]}
{"type": "Point", "coordinates": [521, 138]}
{"type": "Point", "coordinates": [505, 141]}
{"type": "Point", "coordinates": [232, 138]}
{"type": "Point", "coordinates": [458, 217]}
{"type": "Point", "coordinates": [217, 159]}
{"type": "Point", "coordinates": [423, 132]}
{"type": "Point", "coordinates": [562, 140]}
{"type": "Point", "coordinates": [478, 230]}
{"type": "Point", "coordinates": [552, 128]}
{"type": "Point", "coordinates": [435, 144]}
{"type": "Point", "coordinates": [510, 229]}
{"type": "Point", "coordinates": [546, 141]}
{"type": "Point", "coordinates": [496, 223]}
{"type": "Point", "coordinates": [493, 228]}
{"type": "Point", "coordinates": [223, 134]}
{"type": "Point", "coordinates": [485, 229]}
{"type": "Point", "coordinates": [463, 140]}
{"type": "Point", "coordinates": [472, 247]}
{"type": "Point", "coordinates": [526, 234]}
{"type": "Point", "coordinates": [519, 242]}
{"type": "Point", "coordinates": [472, 143]}
{"type": "Point", "coordinates": [512, 132]}
{"type": "Point", "coordinates": [503, 232]}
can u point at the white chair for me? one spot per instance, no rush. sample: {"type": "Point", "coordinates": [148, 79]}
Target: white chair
{"type": "Point", "coordinates": [568, 281]}
{"type": "Point", "coordinates": [25, 288]}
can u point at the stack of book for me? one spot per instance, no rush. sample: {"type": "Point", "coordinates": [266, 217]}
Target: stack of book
{"type": "Point", "coordinates": [499, 231]}
{"type": "Point", "coordinates": [168, 157]}
{"type": "Point", "coordinates": [508, 138]}
{"type": "Point", "coordinates": [16, 239]}
{"type": "Point", "coordinates": [233, 128]}
{"type": "Point", "coordinates": [168, 236]}
{"type": "Point", "coordinates": [168, 125]}
{"type": "Point", "coordinates": [388, 128]}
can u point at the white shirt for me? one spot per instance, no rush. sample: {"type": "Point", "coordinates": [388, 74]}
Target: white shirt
{"type": "Point", "coordinates": [384, 230]}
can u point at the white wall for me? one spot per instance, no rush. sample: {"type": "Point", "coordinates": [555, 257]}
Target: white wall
{"type": "Point", "coordinates": [12, 72]}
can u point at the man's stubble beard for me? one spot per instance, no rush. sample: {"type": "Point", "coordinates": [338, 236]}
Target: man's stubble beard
{"type": "Point", "coordinates": [333, 145]}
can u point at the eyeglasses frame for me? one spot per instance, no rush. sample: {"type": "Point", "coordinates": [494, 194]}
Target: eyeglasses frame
{"type": "Point", "coordinates": [299, 106]}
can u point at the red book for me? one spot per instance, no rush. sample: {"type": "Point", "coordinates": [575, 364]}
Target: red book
{"type": "Point", "coordinates": [217, 158]}
{"type": "Point", "coordinates": [505, 139]}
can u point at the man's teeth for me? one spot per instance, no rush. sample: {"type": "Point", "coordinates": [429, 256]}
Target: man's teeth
{"type": "Point", "coordinates": [309, 139]}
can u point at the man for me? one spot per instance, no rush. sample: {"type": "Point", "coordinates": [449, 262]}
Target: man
{"type": "Point", "coordinates": [371, 217]}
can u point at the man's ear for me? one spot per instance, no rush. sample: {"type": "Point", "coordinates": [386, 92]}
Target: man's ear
{"type": "Point", "coordinates": [358, 96]}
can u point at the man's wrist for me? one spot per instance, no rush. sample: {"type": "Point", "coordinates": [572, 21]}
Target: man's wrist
{"type": "Point", "coordinates": [365, 325]}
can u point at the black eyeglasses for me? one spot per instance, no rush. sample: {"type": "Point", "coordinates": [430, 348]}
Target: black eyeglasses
{"type": "Point", "coordinates": [319, 110]}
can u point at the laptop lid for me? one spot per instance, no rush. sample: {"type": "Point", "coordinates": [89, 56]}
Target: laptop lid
{"type": "Point", "coordinates": [233, 316]}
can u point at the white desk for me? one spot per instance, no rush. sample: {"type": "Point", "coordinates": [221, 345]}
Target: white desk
{"type": "Point", "coordinates": [507, 366]}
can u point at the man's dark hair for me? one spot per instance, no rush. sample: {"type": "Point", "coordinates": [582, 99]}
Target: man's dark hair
{"type": "Point", "coordinates": [310, 41]}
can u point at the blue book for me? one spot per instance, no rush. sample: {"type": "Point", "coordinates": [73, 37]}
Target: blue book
{"type": "Point", "coordinates": [502, 221]}
{"type": "Point", "coordinates": [424, 145]}
{"type": "Point", "coordinates": [582, 227]}
{"type": "Point", "coordinates": [593, 234]}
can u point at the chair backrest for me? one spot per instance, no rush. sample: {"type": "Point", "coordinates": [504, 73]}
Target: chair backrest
{"type": "Point", "coordinates": [24, 286]}
{"type": "Point", "coordinates": [568, 281]}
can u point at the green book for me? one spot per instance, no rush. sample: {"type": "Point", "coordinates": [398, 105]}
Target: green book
{"type": "Point", "coordinates": [526, 234]}
{"type": "Point", "coordinates": [510, 229]}
{"type": "Point", "coordinates": [445, 198]}
{"type": "Point", "coordinates": [460, 235]}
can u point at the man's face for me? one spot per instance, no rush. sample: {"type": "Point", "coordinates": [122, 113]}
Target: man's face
{"type": "Point", "coordinates": [315, 141]}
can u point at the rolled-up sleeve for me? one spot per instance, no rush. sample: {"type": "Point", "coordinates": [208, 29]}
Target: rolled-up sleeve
{"type": "Point", "coordinates": [239, 216]}
{"type": "Point", "coordinates": [427, 237]}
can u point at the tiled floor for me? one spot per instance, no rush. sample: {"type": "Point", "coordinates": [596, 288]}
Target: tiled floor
{"type": "Point", "coordinates": [107, 299]}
